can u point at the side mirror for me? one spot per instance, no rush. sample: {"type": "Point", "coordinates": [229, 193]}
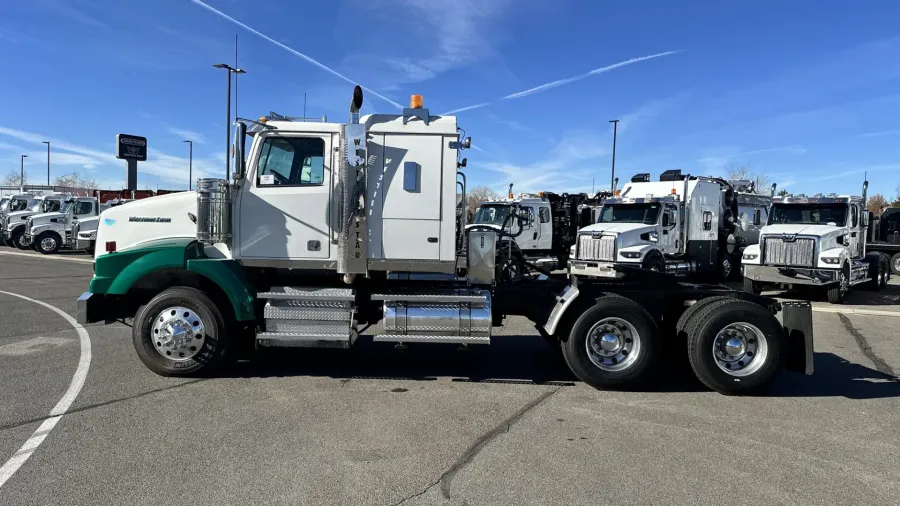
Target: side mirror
{"type": "Point", "coordinates": [757, 217]}
{"type": "Point", "coordinates": [665, 219]}
{"type": "Point", "coordinates": [867, 217]}
{"type": "Point", "coordinates": [467, 143]}
{"type": "Point", "coordinates": [238, 148]}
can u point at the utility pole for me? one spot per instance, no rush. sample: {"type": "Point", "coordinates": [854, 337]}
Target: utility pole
{"type": "Point", "coordinates": [612, 178]}
{"type": "Point", "coordinates": [304, 105]}
{"type": "Point", "coordinates": [22, 178]}
{"type": "Point", "coordinates": [190, 162]}
{"type": "Point", "coordinates": [48, 160]}
{"type": "Point", "coordinates": [229, 70]}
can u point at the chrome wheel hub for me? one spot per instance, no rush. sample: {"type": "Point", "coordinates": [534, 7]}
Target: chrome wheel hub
{"type": "Point", "coordinates": [48, 243]}
{"type": "Point", "coordinates": [178, 333]}
{"type": "Point", "coordinates": [740, 349]}
{"type": "Point", "coordinates": [613, 344]}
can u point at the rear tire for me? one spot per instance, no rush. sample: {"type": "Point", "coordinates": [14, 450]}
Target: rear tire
{"type": "Point", "coordinates": [734, 346]}
{"type": "Point", "coordinates": [613, 343]}
{"type": "Point", "coordinates": [187, 319]}
{"type": "Point", "coordinates": [753, 287]}
{"type": "Point", "coordinates": [895, 264]}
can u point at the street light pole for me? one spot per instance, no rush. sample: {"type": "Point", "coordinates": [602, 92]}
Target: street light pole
{"type": "Point", "coordinates": [190, 162]}
{"type": "Point", "coordinates": [229, 69]}
{"type": "Point", "coordinates": [612, 178]}
{"type": "Point", "coordinates": [48, 160]}
{"type": "Point", "coordinates": [22, 178]}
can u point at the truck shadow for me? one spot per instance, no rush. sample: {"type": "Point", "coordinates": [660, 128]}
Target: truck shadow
{"type": "Point", "coordinates": [889, 296]}
{"type": "Point", "coordinates": [528, 360]}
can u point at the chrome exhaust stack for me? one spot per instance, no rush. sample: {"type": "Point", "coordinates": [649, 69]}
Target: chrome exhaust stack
{"type": "Point", "coordinates": [351, 258]}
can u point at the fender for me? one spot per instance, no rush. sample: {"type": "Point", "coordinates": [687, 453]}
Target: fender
{"type": "Point", "coordinates": [563, 301]}
{"type": "Point", "coordinates": [116, 273]}
{"type": "Point", "coordinates": [54, 227]}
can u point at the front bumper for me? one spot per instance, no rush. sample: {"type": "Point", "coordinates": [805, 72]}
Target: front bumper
{"type": "Point", "coordinates": [595, 268]}
{"type": "Point", "coordinates": [790, 275]}
{"type": "Point", "coordinates": [81, 243]}
{"type": "Point", "coordinates": [97, 307]}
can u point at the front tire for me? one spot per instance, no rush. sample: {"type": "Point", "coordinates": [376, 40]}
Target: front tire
{"type": "Point", "coordinates": [895, 264]}
{"type": "Point", "coordinates": [654, 262]}
{"type": "Point", "coordinates": [836, 292]}
{"type": "Point", "coordinates": [180, 332]}
{"type": "Point", "coordinates": [734, 346]}
{"type": "Point", "coordinates": [753, 287]}
{"type": "Point", "coordinates": [47, 243]}
{"type": "Point", "coordinates": [613, 343]}
{"type": "Point", "coordinates": [18, 239]}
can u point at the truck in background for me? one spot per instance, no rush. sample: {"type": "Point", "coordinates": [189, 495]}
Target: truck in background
{"type": "Point", "coordinates": [84, 232]}
{"type": "Point", "coordinates": [817, 242]}
{"type": "Point", "coordinates": [48, 232]}
{"type": "Point", "coordinates": [12, 224]}
{"type": "Point", "coordinates": [884, 236]}
{"type": "Point", "coordinates": [681, 224]}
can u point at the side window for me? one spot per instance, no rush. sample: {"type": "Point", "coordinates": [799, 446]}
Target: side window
{"type": "Point", "coordinates": [544, 213]}
{"type": "Point", "coordinates": [291, 161]}
{"type": "Point", "coordinates": [84, 207]}
{"type": "Point", "coordinates": [854, 213]}
{"type": "Point", "coordinates": [530, 215]}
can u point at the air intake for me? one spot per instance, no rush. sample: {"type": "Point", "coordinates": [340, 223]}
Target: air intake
{"type": "Point", "coordinates": [213, 211]}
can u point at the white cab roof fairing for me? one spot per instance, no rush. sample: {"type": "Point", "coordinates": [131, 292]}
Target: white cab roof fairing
{"type": "Point", "coordinates": [657, 189]}
{"type": "Point", "coordinates": [393, 123]}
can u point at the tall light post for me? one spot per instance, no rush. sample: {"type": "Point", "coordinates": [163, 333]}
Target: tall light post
{"type": "Point", "coordinates": [612, 178]}
{"type": "Point", "coordinates": [22, 177]}
{"type": "Point", "coordinates": [191, 162]}
{"type": "Point", "coordinates": [48, 160]}
{"type": "Point", "coordinates": [229, 70]}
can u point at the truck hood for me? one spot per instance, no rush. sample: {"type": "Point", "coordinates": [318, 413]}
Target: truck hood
{"type": "Point", "coordinates": [822, 231]}
{"type": "Point", "coordinates": [160, 218]}
{"type": "Point", "coordinates": [618, 228]}
{"type": "Point", "coordinates": [42, 218]}
{"type": "Point", "coordinates": [17, 216]}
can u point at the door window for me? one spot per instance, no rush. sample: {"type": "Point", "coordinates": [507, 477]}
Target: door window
{"type": "Point", "coordinates": [84, 207]}
{"type": "Point", "coordinates": [854, 213]}
{"type": "Point", "coordinates": [544, 213]}
{"type": "Point", "coordinates": [292, 161]}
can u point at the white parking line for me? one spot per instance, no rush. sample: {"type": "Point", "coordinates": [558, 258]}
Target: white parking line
{"type": "Point", "coordinates": [48, 257]}
{"type": "Point", "coordinates": [847, 310]}
{"type": "Point", "coordinates": [84, 363]}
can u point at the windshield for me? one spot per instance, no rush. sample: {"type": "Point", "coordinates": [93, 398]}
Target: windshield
{"type": "Point", "coordinates": [808, 214]}
{"type": "Point", "coordinates": [67, 206]}
{"type": "Point", "coordinates": [630, 213]}
{"type": "Point", "coordinates": [492, 214]}
{"type": "Point", "coordinates": [3, 204]}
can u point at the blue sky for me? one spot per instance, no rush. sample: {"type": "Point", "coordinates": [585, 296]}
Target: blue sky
{"type": "Point", "coordinates": [803, 91]}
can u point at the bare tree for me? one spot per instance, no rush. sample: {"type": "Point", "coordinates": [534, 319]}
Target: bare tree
{"type": "Point", "coordinates": [14, 178]}
{"type": "Point", "coordinates": [76, 180]}
{"type": "Point", "coordinates": [477, 195]}
{"type": "Point", "coordinates": [876, 203]}
{"type": "Point", "coordinates": [896, 202]}
{"type": "Point", "coordinates": [760, 180]}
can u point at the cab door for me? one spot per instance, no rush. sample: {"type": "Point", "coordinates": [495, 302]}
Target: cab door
{"type": "Point", "coordinates": [856, 238]}
{"type": "Point", "coordinates": [545, 224]}
{"type": "Point", "coordinates": [668, 230]}
{"type": "Point", "coordinates": [283, 207]}
{"type": "Point", "coordinates": [81, 210]}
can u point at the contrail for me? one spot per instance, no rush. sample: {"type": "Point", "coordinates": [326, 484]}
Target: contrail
{"type": "Point", "coordinates": [293, 51]}
{"type": "Point", "coordinates": [561, 82]}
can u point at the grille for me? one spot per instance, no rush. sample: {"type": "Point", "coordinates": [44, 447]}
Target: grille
{"type": "Point", "coordinates": [800, 252]}
{"type": "Point", "coordinates": [597, 248]}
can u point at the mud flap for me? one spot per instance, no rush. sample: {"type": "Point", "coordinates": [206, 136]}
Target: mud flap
{"type": "Point", "coordinates": [798, 329]}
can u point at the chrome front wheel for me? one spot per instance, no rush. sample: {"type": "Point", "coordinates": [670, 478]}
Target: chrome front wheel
{"type": "Point", "coordinates": [178, 333]}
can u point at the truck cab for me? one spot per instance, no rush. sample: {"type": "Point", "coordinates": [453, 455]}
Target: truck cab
{"type": "Point", "coordinates": [48, 232]}
{"type": "Point", "coordinates": [531, 214]}
{"type": "Point", "coordinates": [817, 241]}
{"type": "Point", "coordinates": [84, 231]}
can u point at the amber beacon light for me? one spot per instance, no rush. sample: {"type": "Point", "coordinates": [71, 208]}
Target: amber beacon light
{"type": "Point", "coordinates": [415, 102]}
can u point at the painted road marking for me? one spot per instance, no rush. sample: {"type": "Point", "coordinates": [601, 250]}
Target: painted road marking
{"type": "Point", "coordinates": [48, 257]}
{"type": "Point", "coordinates": [84, 363]}
{"type": "Point", "coordinates": [847, 310]}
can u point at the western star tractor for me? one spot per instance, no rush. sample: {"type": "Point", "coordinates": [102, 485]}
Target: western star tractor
{"type": "Point", "coordinates": [681, 224]}
{"type": "Point", "coordinates": [48, 232]}
{"type": "Point", "coordinates": [84, 232]}
{"type": "Point", "coordinates": [817, 242]}
{"type": "Point", "coordinates": [12, 224]}
{"type": "Point", "coordinates": [327, 228]}
{"type": "Point", "coordinates": [884, 236]}
{"type": "Point", "coordinates": [550, 223]}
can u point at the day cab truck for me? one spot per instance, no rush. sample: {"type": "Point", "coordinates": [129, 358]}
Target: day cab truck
{"type": "Point", "coordinates": [681, 224]}
{"type": "Point", "coordinates": [84, 232]}
{"type": "Point", "coordinates": [817, 242]}
{"type": "Point", "coordinates": [21, 207]}
{"type": "Point", "coordinates": [48, 232]}
{"type": "Point", "coordinates": [327, 228]}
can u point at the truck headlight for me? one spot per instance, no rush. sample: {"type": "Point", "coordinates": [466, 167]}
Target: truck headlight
{"type": "Point", "coordinates": [654, 237]}
{"type": "Point", "coordinates": [631, 254]}
{"type": "Point", "coordinates": [831, 260]}
{"type": "Point", "coordinates": [750, 256]}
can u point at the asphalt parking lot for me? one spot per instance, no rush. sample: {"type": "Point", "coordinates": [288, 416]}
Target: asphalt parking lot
{"type": "Point", "coordinates": [505, 424]}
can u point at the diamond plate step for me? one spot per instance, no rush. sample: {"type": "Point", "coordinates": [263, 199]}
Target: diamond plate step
{"type": "Point", "coordinates": [397, 338]}
{"type": "Point", "coordinates": [298, 340]}
{"type": "Point", "coordinates": [434, 298]}
{"type": "Point", "coordinates": [308, 293]}
{"type": "Point", "coordinates": [306, 310]}
{"type": "Point", "coordinates": [309, 327]}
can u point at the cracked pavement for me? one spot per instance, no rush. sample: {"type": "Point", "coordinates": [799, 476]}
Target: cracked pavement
{"type": "Point", "coordinates": [498, 425]}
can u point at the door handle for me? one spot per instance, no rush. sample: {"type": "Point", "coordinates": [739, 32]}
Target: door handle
{"type": "Point", "coordinates": [534, 236]}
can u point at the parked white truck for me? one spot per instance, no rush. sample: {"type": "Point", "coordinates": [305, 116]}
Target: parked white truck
{"type": "Point", "coordinates": [817, 241]}
{"type": "Point", "coordinates": [680, 224]}
{"type": "Point", "coordinates": [328, 228]}
{"type": "Point", "coordinates": [84, 232]}
{"type": "Point", "coordinates": [21, 207]}
{"type": "Point", "coordinates": [50, 231]}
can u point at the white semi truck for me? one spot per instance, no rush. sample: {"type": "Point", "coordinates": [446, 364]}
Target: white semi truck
{"type": "Point", "coordinates": [817, 242]}
{"type": "Point", "coordinates": [680, 224]}
{"type": "Point", "coordinates": [549, 223]}
{"type": "Point", "coordinates": [327, 228]}
{"type": "Point", "coordinates": [50, 231]}
{"type": "Point", "coordinates": [84, 232]}
{"type": "Point", "coordinates": [21, 207]}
